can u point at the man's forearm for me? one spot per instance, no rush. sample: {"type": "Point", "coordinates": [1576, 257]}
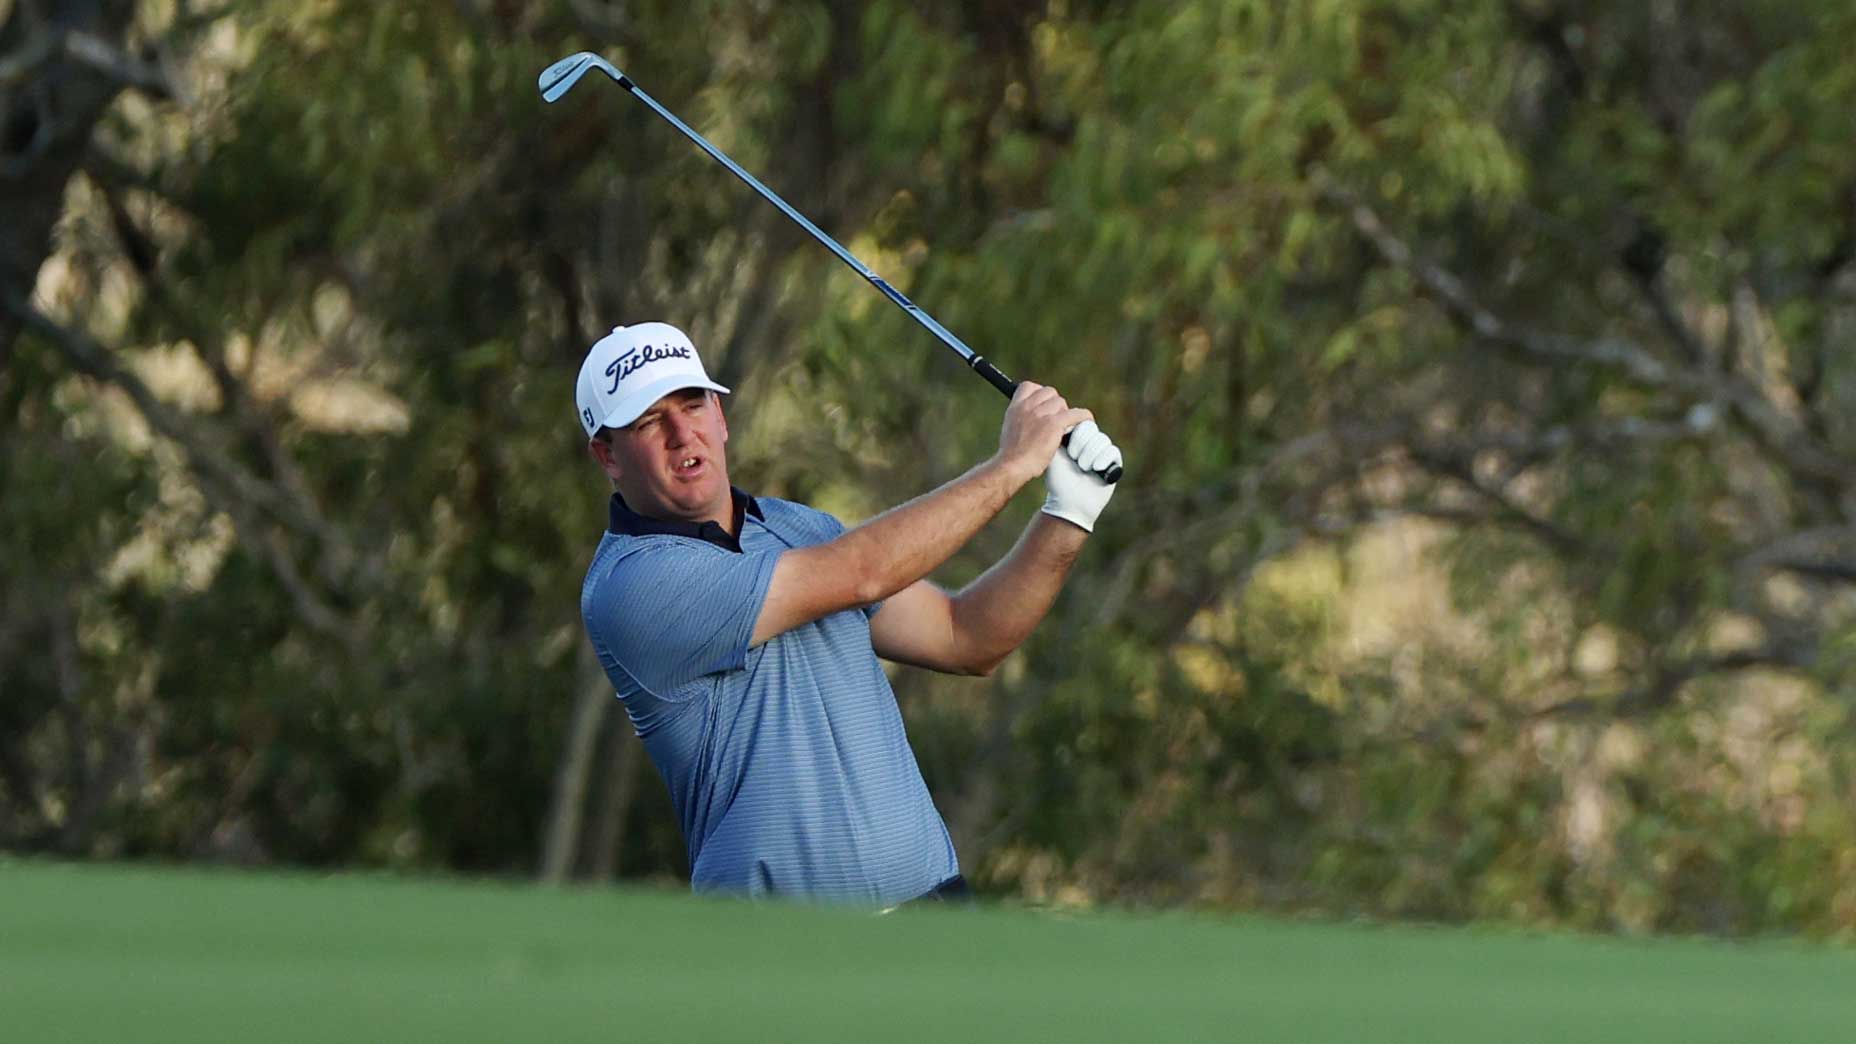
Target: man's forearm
{"type": "Point", "coordinates": [901, 546]}
{"type": "Point", "coordinates": [995, 613]}
{"type": "Point", "coordinates": [907, 542]}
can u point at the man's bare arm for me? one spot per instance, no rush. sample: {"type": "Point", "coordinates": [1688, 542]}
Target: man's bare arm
{"type": "Point", "coordinates": [972, 631]}
{"type": "Point", "coordinates": [894, 550]}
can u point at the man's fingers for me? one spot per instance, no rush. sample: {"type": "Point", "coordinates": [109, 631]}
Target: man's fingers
{"type": "Point", "coordinates": [1091, 448]}
{"type": "Point", "coordinates": [1105, 454]}
{"type": "Point", "coordinates": [1049, 404]}
{"type": "Point", "coordinates": [1032, 394]}
{"type": "Point", "coordinates": [1039, 400]}
{"type": "Point", "coordinates": [1042, 413]}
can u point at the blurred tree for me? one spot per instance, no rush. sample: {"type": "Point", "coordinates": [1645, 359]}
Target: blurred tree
{"type": "Point", "coordinates": [1495, 266]}
{"type": "Point", "coordinates": [62, 66]}
{"type": "Point", "coordinates": [1552, 291]}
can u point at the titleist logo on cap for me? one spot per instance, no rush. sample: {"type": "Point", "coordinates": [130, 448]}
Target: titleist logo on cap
{"type": "Point", "coordinates": [626, 365]}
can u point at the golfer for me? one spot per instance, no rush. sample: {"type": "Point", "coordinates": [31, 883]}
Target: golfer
{"type": "Point", "coordinates": [743, 633]}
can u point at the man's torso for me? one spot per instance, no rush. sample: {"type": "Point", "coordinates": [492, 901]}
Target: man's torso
{"type": "Point", "coordinates": [787, 762]}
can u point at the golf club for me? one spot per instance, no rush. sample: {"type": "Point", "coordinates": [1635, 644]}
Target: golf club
{"type": "Point", "coordinates": [557, 79]}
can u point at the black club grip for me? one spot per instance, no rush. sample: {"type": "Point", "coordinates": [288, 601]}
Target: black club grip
{"type": "Point", "coordinates": [1009, 387]}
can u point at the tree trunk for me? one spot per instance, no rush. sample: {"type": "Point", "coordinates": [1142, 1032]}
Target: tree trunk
{"type": "Point", "coordinates": [567, 808]}
{"type": "Point", "coordinates": [624, 751]}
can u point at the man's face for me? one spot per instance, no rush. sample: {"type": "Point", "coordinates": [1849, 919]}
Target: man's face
{"type": "Point", "coordinates": [669, 463]}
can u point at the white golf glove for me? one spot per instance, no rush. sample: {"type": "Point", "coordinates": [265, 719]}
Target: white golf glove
{"type": "Point", "coordinates": [1076, 495]}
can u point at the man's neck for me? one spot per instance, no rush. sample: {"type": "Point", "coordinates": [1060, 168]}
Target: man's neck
{"type": "Point", "coordinates": [725, 532]}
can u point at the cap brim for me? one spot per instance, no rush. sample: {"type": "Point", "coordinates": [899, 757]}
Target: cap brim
{"type": "Point", "coordinates": [641, 400]}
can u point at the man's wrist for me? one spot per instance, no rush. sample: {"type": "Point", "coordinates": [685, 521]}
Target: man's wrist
{"type": "Point", "coordinates": [1016, 474]}
{"type": "Point", "coordinates": [1081, 521]}
{"type": "Point", "coordinates": [1065, 519]}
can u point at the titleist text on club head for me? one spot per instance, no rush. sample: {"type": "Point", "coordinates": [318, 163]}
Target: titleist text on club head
{"type": "Point", "coordinates": [559, 78]}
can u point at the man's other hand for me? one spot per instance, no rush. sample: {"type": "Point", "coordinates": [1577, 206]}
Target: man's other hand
{"type": "Point", "coordinates": [1076, 493]}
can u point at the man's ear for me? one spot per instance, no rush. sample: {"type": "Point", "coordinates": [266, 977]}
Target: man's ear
{"type": "Point", "coordinates": [723, 414]}
{"type": "Point", "coordinates": [601, 452]}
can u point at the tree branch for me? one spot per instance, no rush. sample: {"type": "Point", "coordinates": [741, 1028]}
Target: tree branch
{"type": "Point", "coordinates": [1458, 469]}
{"type": "Point", "coordinates": [38, 49]}
{"type": "Point", "coordinates": [1841, 572]}
{"type": "Point", "coordinates": [1677, 330]}
{"type": "Point", "coordinates": [239, 492]}
{"type": "Point", "coordinates": [103, 56]}
{"type": "Point", "coordinates": [1669, 679]}
{"type": "Point", "coordinates": [1824, 553]}
{"type": "Point", "coordinates": [1337, 452]}
{"type": "Point", "coordinates": [261, 432]}
{"type": "Point", "coordinates": [1780, 435]}
{"type": "Point", "coordinates": [94, 360]}
{"type": "Point", "coordinates": [114, 175]}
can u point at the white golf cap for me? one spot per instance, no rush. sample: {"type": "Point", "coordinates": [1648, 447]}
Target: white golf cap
{"type": "Point", "coordinates": [632, 367]}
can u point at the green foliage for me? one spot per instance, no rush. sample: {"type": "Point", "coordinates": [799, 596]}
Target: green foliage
{"type": "Point", "coordinates": [1566, 281]}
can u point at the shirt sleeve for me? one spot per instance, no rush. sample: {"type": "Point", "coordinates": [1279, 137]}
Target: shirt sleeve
{"type": "Point", "coordinates": [826, 527]}
{"type": "Point", "coordinates": [674, 613]}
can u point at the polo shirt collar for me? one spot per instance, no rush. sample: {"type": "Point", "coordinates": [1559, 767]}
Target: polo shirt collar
{"type": "Point", "coordinates": [626, 522]}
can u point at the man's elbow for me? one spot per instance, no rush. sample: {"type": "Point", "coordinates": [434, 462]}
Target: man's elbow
{"type": "Point", "coordinates": [868, 591]}
{"type": "Point", "coordinates": [961, 661]}
{"type": "Point", "coordinates": [974, 651]}
{"type": "Point", "coordinates": [860, 572]}
{"type": "Point", "coordinates": [983, 667]}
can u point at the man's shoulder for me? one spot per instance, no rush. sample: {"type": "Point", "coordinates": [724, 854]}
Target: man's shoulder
{"type": "Point", "coordinates": [620, 558]}
{"type": "Point", "coordinates": [791, 517]}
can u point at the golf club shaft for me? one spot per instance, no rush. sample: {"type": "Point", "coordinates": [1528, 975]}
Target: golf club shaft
{"type": "Point", "coordinates": [985, 369]}
{"type": "Point", "coordinates": [973, 359]}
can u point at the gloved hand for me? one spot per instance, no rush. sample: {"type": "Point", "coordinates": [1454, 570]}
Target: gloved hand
{"type": "Point", "coordinates": [1076, 495]}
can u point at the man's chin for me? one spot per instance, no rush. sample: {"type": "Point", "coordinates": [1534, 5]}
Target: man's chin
{"type": "Point", "coordinates": [697, 501]}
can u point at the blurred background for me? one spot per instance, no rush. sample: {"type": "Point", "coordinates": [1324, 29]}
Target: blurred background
{"type": "Point", "coordinates": [1484, 369]}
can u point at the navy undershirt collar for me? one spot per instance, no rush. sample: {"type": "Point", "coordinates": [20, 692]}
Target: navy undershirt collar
{"type": "Point", "coordinates": [626, 522]}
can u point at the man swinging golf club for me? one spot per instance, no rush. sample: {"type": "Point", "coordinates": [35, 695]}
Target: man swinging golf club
{"type": "Point", "coordinates": [743, 633]}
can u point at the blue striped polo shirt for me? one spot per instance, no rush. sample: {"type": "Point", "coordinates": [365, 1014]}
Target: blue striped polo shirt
{"type": "Point", "coordinates": [787, 761]}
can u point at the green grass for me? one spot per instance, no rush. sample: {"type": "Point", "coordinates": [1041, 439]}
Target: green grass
{"type": "Point", "coordinates": [110, 953]}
